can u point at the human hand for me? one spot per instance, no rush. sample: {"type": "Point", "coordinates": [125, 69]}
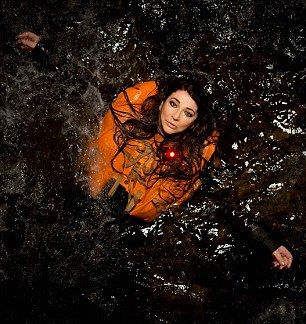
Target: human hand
{"type": "Point", "coordinates": [27, 40]}
{"type": "Point", "coordinates": [282, 258]}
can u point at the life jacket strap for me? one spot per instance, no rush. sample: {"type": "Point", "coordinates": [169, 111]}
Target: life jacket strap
{"type": "Point", "coordinates": [133, 201]}
{"type": "Point", "coordinates": [115, 185]}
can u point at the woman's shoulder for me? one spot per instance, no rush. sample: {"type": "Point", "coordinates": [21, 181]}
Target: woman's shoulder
{"type": "Point", "coordinates": [146, 86]}
{"type": "Point", "coordinates": [136, 94]}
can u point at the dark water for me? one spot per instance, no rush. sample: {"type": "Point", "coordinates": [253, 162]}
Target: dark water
{"type": "Point", "coordinates": [64, 258]}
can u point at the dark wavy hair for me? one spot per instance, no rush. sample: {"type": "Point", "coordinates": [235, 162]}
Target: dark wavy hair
{"type": "Point", "coordinates": [144, 124]}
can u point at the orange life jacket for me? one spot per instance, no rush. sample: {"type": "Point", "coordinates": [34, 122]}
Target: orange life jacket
{"type": "Point", "coordinates": [147, 196]}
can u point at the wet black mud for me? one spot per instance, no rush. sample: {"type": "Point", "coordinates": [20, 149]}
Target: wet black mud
{"type": "Point", "coordinates": [66, 258]}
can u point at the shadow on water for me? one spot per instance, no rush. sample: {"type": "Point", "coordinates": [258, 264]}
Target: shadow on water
{"type": "Point", "coordinates": [66, 257]}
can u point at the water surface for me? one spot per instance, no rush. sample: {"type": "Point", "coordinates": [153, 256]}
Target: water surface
{"type": "Point", "coordinates": [64, 256]}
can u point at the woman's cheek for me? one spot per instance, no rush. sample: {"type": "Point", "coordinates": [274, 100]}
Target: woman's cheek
{"type": "Point", "coordinates": [188, 122]}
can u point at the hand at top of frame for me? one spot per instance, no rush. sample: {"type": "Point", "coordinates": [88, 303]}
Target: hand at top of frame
{"type": "Point", "coordinates": [282, 258]}
{"type": "Point", "coordinates": [27, 40]}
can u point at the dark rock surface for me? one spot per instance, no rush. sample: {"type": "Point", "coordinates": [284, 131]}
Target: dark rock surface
{"type": "Point", "coordinates": [63, 257]}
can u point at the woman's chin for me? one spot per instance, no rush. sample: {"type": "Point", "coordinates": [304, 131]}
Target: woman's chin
{"type": "Point", "coordinates": [169, 131]}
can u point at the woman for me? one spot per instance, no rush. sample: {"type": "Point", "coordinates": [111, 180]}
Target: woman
{"type": "Point", "coordinates": [153, 142]}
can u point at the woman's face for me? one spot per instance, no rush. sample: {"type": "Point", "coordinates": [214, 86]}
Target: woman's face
{"type": "Point", "coordinates": [177, 112]}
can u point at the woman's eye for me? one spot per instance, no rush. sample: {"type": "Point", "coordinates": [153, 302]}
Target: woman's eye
{"type": "Point", "coordinates": [188, 114]}
{"type": "Point", "coordinates": [173, 104]}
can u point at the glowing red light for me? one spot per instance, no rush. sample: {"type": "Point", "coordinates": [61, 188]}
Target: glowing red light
{"type": "Point", "coordinates": [170, 154]}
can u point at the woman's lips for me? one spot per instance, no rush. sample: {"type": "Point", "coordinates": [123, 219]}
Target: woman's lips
{"type": "Point", "coordinates": [170, 125]}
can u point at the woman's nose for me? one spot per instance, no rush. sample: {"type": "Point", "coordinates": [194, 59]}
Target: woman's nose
{"type": "Point", "coordinates": [176, 116]}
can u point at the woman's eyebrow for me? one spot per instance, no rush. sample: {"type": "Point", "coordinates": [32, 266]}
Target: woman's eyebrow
{"type": "Point", "coordinates": [191, 109]}
{"type": "Point", "coordinates": [175, 99]}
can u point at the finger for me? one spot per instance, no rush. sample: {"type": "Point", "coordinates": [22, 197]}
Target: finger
{"type": "Point", "coordinates": [281, 260]}
{"type": "Point", "coordinates": [26, 42]}
{"type": "Point", "coordinates": [22, 45]}
{"type": "Point", "coordinates": [26, 34]}
{"type": "Point", "coordinates": [25, 48]}
{"type": "Point", "coordinates": [289, 262]}
{"type": "Point", "coordinates": [276, 265]}
{"type": "Point", "coordinates": [288, 256]}
{"type": "Point", "coordinates": [281, 266]}
{"type": "Point", "coordinates": [286, 253]}
{"type": "Point", "coordinates": [23, 35]}
{"type": "Point", "coordinates": [285, 265]}
{"type": "Point", "coordinates": [278, 257]}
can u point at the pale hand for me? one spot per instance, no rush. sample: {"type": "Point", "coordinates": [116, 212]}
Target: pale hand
{"type": "Point", "coordinates": [282, 258]}
{"type": "Point", "coordinates": [27, 40]}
